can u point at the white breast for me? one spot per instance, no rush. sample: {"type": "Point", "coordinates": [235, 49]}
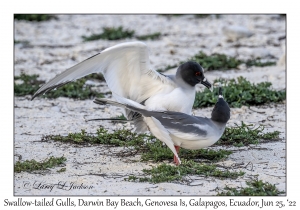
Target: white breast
{"type": "Point", "coordinates": [192, 141]}
{"type": "Point", "coordinates": [178, 100]}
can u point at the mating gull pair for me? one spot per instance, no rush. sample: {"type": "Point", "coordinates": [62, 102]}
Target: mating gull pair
{"type": "Point", "coordinates": [126, 69]}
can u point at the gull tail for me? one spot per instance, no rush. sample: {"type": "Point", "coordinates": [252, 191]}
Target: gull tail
{"type": "Point", "coordinates": [104, 101]}
{"type": "Point", "coordinates": [121, 102]}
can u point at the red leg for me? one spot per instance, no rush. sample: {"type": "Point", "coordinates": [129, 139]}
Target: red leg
{"type": "Point", "coordinates": [176, 161]}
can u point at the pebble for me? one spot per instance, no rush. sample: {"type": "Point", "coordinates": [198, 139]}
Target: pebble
{"type": "Point", "coordinates": [235, 32]}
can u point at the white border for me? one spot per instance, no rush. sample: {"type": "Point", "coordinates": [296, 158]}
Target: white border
{"type": "Point", "coordinates": [154, 6]}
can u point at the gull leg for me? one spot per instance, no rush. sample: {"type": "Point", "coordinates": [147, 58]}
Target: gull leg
{"type": "Point", "coordinates": [176, 161]}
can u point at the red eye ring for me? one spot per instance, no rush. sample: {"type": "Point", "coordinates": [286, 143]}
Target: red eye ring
{"type": "Point", "coordinates": [198, 73]}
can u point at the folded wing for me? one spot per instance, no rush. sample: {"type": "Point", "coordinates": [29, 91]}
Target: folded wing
{"type": "Point", "coordinates": [184, 126]}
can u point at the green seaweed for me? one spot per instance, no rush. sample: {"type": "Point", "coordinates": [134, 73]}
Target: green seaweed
{"type": "Point", "coordinates": [33, 17]}
{"type": "Point", "coordinates": [240, 92]}
{"type": "Point", "coordinates": [219, 61]}
{"type": "Point", "coordinates": [77, 90]}
{"type": "Point", "coordinates": [254, 188]}
{"type": "Point", "coordinates": [33, 165]}
{"type": "Point", "coordinates": [153, 36]}
{"type": "Point", "coordinates": [243, 135]}
{"type": "Point", "coordinates": [110, 33]}
{"type": "Point", "coordinates": [170, 173]}
{"type": "Point", "coordinates": [28, 86]}
{"type": "Point", "coordinates": [150, 148]}
{"type": "Point", "coordinates": [216, 61]}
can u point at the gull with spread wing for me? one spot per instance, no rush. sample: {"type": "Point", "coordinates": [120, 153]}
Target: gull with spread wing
{"type": "Point", "coordinates": [127, 72]}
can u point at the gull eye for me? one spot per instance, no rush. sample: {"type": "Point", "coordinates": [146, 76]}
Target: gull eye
{"type": "Point", "coordinates": [198, 73]}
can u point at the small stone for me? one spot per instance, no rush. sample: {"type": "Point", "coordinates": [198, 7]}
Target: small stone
{"type": "Point", "coordinates": [242, 66]}
{"type": "Point", "coordinates": [234, 33]}
{"type": "Point", "coordinates": [91, 83]}
{"type": "Point", "coordinates": [19, 82]}
{"type": "Point", "coordinates": [55, 108]}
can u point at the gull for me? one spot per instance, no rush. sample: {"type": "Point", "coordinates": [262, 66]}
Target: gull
{"type": "Point", "coordinates": [178, 129]}
{"type": "Point", "coordinates": [127, 72]}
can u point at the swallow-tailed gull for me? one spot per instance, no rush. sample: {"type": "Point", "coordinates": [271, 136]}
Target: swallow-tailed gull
{"type": "Point", "coordinates": [178, 129]}
{"type": "Point", "coordinates": [126, 69]}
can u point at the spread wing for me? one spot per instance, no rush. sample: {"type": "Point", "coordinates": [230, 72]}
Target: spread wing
{"type": "Point", "coordinates": [126, 69]}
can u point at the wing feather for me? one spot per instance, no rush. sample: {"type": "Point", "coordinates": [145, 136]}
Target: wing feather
{"type": "Point", "coordinates": [126, 69]}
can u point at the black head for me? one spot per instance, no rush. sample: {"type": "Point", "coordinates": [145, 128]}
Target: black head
{"type": "Point", "coordinates": [192, 73]}
{"type": "Point", "coordinates": [221, 111]}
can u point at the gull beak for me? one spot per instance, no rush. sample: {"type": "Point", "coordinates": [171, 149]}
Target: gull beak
{"type": "Point", "coordinates": [206, 83]}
